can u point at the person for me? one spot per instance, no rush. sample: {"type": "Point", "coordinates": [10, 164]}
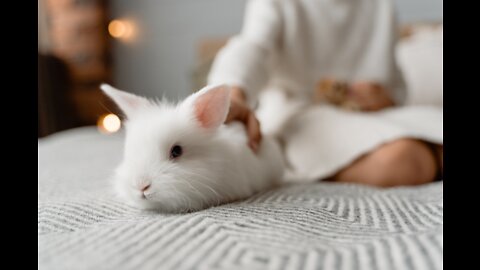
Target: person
{"type": "Point", "coordinates": [289, 47]}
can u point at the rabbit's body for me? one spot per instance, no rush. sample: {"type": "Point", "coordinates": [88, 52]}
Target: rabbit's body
{"type": "Point", "coordinates": [254, 172]}
{"type": "Point", "coordinates": [182, 157]}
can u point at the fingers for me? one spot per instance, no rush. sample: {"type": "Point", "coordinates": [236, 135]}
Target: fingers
{"type": "Point", "coordinates": [253, 132]}
{"type": "Point", "coordinates": [240, 112]}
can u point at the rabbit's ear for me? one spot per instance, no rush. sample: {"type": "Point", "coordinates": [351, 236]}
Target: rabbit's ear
{"type": "Point", "coordinates": [211, 105]}
{"type": "Point", "coordinates": [128, 103]}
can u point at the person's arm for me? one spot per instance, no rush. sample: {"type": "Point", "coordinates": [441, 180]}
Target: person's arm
{"type": "Point", "coordinates": [246, 60]}
{"type": "Point", "coordinates": [245, 63]}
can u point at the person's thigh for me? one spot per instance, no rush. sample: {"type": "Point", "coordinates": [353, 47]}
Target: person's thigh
{"type": "Point", "coordinates": [400, 162]}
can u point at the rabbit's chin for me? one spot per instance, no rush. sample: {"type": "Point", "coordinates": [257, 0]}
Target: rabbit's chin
{"type": "Point", "coordinates": [170, 205]}
{"type": "Point", "coordinates": [179, 202]}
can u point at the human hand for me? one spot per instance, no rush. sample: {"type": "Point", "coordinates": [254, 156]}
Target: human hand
{"type": "Point", "coordinates": [369, 96]}
{"type": "Point", "coordinates": [239, 111]}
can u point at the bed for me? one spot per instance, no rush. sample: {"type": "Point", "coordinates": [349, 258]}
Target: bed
{"type": "Point", "coordinates": [81, 225]}
{"type": "Point", "coordinates": [321, 225]}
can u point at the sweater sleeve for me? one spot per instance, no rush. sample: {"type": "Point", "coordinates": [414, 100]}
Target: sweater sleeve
{"type": "Point", "coordinates": [246, 59]}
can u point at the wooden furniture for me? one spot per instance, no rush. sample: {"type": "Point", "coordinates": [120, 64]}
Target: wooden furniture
{"type": "Point", "coordinates": [77, 35]}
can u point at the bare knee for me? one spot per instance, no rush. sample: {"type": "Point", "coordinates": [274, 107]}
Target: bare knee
{"type": "Point", "coordinates": [403, 162]}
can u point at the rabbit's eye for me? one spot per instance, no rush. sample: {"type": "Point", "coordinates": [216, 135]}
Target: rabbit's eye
{"type": "Point", "coordinates": [176, 151]}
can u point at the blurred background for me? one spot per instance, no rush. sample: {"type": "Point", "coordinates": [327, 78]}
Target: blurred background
{"type": "Point", "coordinates": [163, 47]}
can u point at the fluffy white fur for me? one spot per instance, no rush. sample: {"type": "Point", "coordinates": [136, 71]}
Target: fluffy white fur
{"type": "Point", "coordinates": [216, 165]}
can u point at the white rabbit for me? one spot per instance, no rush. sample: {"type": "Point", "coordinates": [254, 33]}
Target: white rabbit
{"type": "Point", "coordinates": [182, 157]}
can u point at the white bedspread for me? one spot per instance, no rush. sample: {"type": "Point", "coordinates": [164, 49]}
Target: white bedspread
{"type": "Point", "coordinates": [81, 225]}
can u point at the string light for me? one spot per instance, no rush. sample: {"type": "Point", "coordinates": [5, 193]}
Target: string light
{"type": "Point", "coordinates": [121, 29]}
{"type": "Point", "coordinates": [109, 123]}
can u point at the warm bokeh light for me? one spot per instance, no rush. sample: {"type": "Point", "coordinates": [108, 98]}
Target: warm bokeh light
{"type": "Point", "coordinates": [120, 29]}
{"type": "Point", "coordinates": [117, 28]}
{"type": "Point", "coordinates": [109, 123]}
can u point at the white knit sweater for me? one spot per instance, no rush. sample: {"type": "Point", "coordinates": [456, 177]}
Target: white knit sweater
{"type": "Point", "coordinates": [292, 44]}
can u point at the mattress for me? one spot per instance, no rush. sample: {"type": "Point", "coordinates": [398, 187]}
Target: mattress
{"type": "Point", "coordinates": [322, 225]}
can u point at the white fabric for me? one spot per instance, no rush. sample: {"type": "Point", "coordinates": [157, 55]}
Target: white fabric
{"type": "Point", "coordinates": [420, 59]}
{"type": "Point", "coordinates": [83, 226]}
{"type": "Point", "coordinates": [323, 139]}
{"type": "Point", "coordinates": [291, 45]}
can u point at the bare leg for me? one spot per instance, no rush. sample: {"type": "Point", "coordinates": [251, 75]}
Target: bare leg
{"type": "Point", "coordinates": [440, 156]}
{"type": "Point", "coordinates": [401, 162]}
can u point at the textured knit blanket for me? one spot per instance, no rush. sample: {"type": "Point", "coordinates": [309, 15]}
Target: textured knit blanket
{"type": "Point", "coordinates": [81, 225]}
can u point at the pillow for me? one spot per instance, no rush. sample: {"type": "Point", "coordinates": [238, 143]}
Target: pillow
{"type": "Point", "coordinates": [420, 57]}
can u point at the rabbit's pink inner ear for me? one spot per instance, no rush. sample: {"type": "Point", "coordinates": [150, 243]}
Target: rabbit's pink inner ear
{"type": "Point", "coordinates": [211, 107]}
